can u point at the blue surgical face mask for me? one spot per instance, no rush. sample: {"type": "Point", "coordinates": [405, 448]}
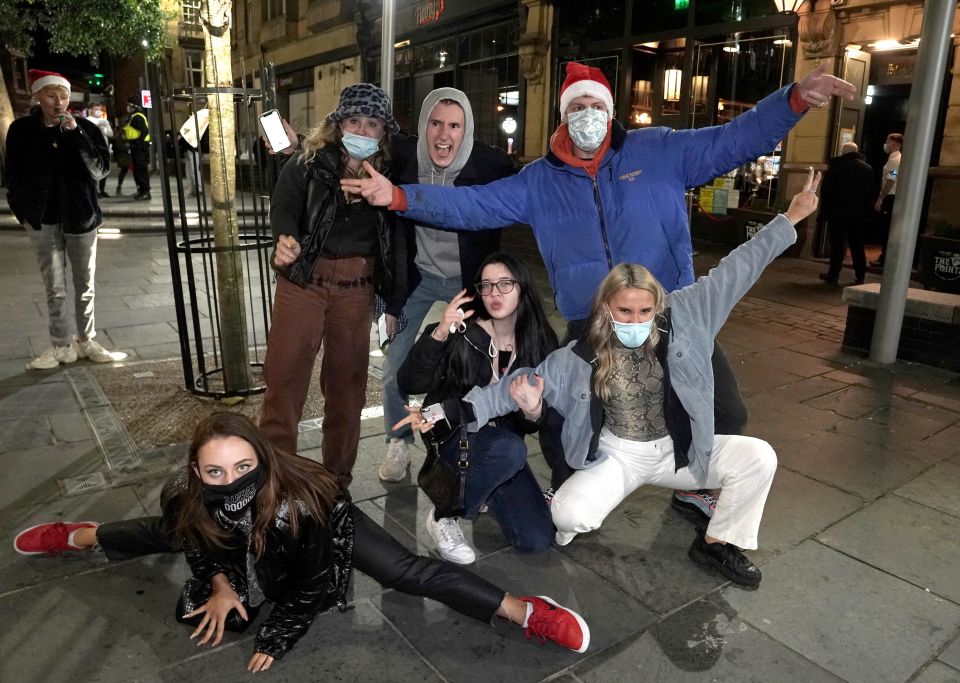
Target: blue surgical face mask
{"type": "Point", "coordinates": [632, 335]}
{"type": "Point", "coordinates": [587, 128]}
{"type": "Point", "coordinates": [360, 147]}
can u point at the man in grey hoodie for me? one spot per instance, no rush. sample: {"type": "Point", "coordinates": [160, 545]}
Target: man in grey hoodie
{"type": "Point", "coordinates": [440, 262]}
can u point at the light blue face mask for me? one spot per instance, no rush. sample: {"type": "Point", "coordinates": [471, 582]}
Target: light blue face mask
{"type": "Point", "coordinates": [632, 335]}
{"type": "Point", "coordinates": [587, 128]}
{"type": "Point", "coordinates": [360, 147]}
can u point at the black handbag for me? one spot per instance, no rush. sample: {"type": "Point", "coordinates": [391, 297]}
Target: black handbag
{"type": "Point", "coordinates": [445, 484]}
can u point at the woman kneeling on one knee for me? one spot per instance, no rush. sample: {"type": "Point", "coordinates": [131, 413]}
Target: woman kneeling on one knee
{"type": "Point", "coordinates": [637, 398]}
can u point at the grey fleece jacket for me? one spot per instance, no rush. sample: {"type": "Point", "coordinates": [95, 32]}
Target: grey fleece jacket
{"type": "Point", "coordinates": [698, 311]}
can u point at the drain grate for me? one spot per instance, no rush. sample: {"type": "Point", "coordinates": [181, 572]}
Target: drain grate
{"type": "Point", "coordinates": [83, 483]}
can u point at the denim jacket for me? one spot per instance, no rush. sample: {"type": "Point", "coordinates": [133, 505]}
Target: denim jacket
{"type": "Point", "coordinates": [697, 313]}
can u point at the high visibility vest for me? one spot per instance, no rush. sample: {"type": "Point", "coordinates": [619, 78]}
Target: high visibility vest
{"type": "Point", "coordinates": [131, 133]}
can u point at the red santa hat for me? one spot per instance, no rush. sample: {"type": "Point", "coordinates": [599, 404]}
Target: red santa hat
{"type": "Point", "coordinates": [583, 80]}
{"type": "Point", "coordinates": [41, 79]}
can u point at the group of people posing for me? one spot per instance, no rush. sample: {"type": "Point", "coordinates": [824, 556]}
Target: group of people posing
{"type": "Point", "coordinates": [637, 393]}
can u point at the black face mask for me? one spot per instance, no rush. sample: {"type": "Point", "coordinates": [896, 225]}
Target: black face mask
{"type": "Point", "coordinates": [234, 497]}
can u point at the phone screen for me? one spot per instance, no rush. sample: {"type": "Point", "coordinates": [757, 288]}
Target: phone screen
{"type": "Point", "coordinates": [272, 127]}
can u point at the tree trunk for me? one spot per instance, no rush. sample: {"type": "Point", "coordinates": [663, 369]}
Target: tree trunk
{"type": "Point", "coordinates": [6, 116]}
{"type": "Point", "coordinates": [223, 172]}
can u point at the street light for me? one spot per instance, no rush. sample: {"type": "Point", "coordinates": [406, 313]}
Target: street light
{"type": "Point", "coordinates": [788, 6]}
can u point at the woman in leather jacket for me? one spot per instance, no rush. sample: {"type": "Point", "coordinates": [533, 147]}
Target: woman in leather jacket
{"type": "Point", "coordinates": [475, 346]}
{"type": "Point", "coordinates": [258, 524]}
{"type": "Point", "coordinates": [332, 252]}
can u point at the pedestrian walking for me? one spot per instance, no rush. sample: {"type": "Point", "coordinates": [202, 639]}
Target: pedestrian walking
{"type": "Point", "coordinates": [52, 166]}
{"type": "Point", "coordinates": [847, 208]}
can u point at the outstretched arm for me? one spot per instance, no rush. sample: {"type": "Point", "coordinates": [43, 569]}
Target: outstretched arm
{"type": "Point", "coordinates": [710, 152]}
{"type": "Point", "coordinates": [478, 207]}
{"type": "Point", "coordinates": [711, 298]}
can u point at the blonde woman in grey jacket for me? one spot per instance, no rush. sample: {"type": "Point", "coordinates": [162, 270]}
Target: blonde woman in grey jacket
{"type": "Point", "coordinates": [637, 398]}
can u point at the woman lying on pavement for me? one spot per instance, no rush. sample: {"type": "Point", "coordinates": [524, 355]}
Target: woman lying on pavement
{"type": "Point", "coordinates": [258, 524]}
{"type": "Point", "coordinates": [637, 398]}
{"type": "Point", "coordinates": [464, 350]}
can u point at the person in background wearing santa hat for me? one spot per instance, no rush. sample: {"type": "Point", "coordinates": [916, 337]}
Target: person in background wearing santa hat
{"type": "Point", "coordinates": [603, 196]}
{"type": "Point", "coordinates": [53, 164]}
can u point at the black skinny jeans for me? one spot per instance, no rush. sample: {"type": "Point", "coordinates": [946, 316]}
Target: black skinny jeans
{"type": "Point", "coordinates": [375, 553]}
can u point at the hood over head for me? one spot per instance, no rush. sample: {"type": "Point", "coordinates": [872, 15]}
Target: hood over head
{"type": "Point", "coordinates": [424, 162]}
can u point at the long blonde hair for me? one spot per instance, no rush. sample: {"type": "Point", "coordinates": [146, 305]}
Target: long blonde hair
{"type": "Point", "coordinates": [329, 133]}
{"type": "Point", "coordinates": [599, 330]}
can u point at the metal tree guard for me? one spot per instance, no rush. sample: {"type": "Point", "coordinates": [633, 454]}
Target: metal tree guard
{"type": "Point", "coordinates": [190, 237]}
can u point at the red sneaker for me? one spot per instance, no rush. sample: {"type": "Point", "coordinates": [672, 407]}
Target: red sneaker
{"type": "Point", "coordinates": [49, 539]}
{"type": "Point", "coordinates": [550, 621]}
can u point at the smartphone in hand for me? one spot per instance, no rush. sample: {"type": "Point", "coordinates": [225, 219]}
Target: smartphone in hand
{"type": "Point", "coordinates": [272, 126]}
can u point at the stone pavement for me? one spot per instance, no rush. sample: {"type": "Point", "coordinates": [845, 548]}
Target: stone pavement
{"type": "Point", "coordinates": [859, 544]}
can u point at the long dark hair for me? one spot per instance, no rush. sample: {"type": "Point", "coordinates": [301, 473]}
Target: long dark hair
{"type": "Point", "coordinates": [302, 484]}
{"type": "Point", "coordinates": [534, 336]}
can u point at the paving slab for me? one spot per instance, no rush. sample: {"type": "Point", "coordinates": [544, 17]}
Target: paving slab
{"type": "Point", "coordinates": [849, 464]}
{"type": "Point", "coordinates": [755, 376]}
{"type": "Point", "coordinates": [704, 641]}
{"type": "Point", "coordinates": [337, 647]}
{"type": "Point", "coordinates": [70, 428]}
{"type": "Point", "coordinates": [797, 363]}
{"type": "Point", "coordinates": [24, 432]}
{"type": "Point", "coordinates": [38, 399]}
{"type": "Point", "coordinates": [770, 422]}
{"type": "Point", "coordinates": [936, 488]}
{"type": "Point", "coordinates": [149, 334]}
{"type": "Point", "coordinates": [17, 571]}
{"type": "Point", "coordinates": [937, 672]}
{"type": "Point", "coordinates": [951, 654]}
{"type": "Point", "coordinates": [909, 540]}
{"type": "Point", "coordinates": [26, 486]}
{"type": "Point", "coordinates": [463, 649]}
{"type": "Point", "coordinates": [852, 402]}
{"type": "Point", "coordinates": [642, 548]}
{"type": "Point", "coordinates": [797, 508]}
{"type": "Point", "coordinates": [366, 482]}
{"type": "Point", "coordinates": [856, 621]}
{"type": "Point", "coordinates": [109, 634]}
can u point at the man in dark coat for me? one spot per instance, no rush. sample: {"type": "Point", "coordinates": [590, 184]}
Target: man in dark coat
{"type": "Point", "coordinates": [846, 203]}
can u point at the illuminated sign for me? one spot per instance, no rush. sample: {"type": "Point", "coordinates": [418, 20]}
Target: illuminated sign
{"type": "Point", "coordinates": [429, 11]}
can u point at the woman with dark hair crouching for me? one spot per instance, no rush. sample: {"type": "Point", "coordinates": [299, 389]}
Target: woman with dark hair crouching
{"type": "Point", "coordinates": [475, 344]}
{"type": "Point", "coordinates": [258, 524]}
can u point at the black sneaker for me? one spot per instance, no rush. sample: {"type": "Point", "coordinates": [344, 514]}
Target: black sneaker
{"type": "Point", "coordinates": [726, 559]}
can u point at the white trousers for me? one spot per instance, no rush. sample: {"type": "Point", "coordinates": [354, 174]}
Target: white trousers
{"type": "Point", "coordinates": [741, 466]}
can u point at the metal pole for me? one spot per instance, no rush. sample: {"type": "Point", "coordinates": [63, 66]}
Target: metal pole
{"type": "Point", "coordinates": [386, 47]}
{"type": "Point", "coordinates": [911, 183]}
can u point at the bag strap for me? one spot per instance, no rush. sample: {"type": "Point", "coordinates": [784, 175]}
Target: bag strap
{"type": "Point", "coordinates": [462, 466]}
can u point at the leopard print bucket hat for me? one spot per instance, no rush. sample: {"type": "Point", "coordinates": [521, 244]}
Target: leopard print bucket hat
{"type": "Point", "coordinates": [365, 99]}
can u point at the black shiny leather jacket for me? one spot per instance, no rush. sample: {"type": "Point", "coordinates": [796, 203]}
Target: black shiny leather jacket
{"type": "Point", "coordinates": [302, 575]}
{"type": "Point", "coordinates": [304, 203]}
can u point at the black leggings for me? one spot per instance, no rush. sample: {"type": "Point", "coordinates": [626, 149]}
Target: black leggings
{"type": "Point", "coordinates": [375, 553]}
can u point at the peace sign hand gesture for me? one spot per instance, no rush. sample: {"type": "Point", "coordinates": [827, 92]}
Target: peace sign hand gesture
{"type": "Point", "coordinates": [453, 317]}
{"type": "Point", "coordinates": [805, 202]}
{"type": "Point", "coordinates": [377, 190]}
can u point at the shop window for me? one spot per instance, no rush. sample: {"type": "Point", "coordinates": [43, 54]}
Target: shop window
{"type": "Point", "coordinates": [718, 11]}
{"type": "Point", "coordinates": [650, 16]}
{"type": "Point", "coordinates": [583, 21]}
{"type": "Point", "coordinates": [641, 92]}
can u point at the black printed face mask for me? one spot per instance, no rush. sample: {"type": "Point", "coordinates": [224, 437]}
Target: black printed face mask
{"type": "Point", "coordinates": [238, 494]}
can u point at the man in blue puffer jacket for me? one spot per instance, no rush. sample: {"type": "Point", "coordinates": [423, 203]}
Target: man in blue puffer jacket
{"type": "Point", "coordinates": [604, 196]}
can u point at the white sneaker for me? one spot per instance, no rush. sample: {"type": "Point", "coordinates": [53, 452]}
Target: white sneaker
{"type": "Point", "coordinates": [448, 538]}
{"type": "Point", "coordinates": [52, 358]}
{"type": "Point", "coordinates": [564, 537]}
{"type": "Point", "coordinates": [92, 351]}
{"type": "Point", "coordinates": [396, 462]}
